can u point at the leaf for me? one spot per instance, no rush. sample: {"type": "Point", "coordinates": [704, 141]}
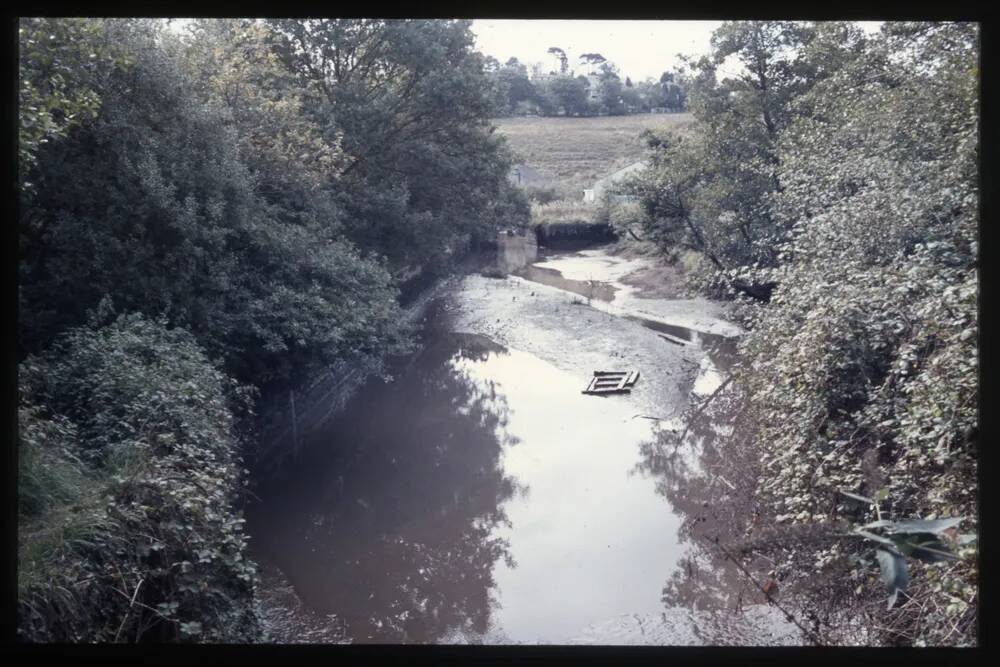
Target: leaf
{"type": "Point", "coordinates": [874, 537]}
{"type": "Point", "coordinates": [167, 608]}
{"type": "Point", "coordinates": [191, 628]}
{"type": "Point", "coordinates": [894, 574]}
{"type": "Point", "coordinates": [925, 547]}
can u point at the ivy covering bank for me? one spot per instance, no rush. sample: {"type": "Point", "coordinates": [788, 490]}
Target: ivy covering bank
{"type": "Point", "coordinates": [833, 191]}
{"type": "Point", "coordinates": [131, 484]}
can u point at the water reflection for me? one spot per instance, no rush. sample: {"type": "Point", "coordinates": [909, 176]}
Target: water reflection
{"type": "Point", "coordinates": [590, 541]}
{"type": "Point", "coordinates": [480, 497]}
{"type": "Point", "coordinates": [388, 520]}
{"type": "Point", "coordinates": [591, 289]}
{"type": "Point", "coordinates": [697, 467]}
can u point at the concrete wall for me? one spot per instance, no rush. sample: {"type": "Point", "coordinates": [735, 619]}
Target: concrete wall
{"type": "Point", "coordinates": [515, 252]}
{"type": "Point", "coordinates": [574, 233]}
{"type": "Point", "coordinates": [288, 419]}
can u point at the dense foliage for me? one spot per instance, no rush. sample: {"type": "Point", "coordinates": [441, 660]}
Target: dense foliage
{"type": "Point", "coordinates": [860, 376]}
{"type": "Point", "coordinates": [62, 66]}
{"type": "Point", "coordinates": [710, 191]}
{"type": "Point", "coordinates": [259, 190]}
{"type": "Point", "coordinates": [410, 102]}
{"type": "Point", "coordinates": [130, 474]}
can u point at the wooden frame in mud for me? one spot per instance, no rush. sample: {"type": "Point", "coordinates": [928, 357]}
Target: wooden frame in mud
{"type": "Point", "coordinates": [611, 382]}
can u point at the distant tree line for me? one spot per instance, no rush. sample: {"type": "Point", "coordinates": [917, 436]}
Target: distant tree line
{"type": "Point", "coordinates": [601, 91]}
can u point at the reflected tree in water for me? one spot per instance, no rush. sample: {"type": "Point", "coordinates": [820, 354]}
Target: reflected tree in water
{"type": "Point", "coordinates": [708, 474]}
{"type": "Point", "coordinates": [698, 469]}
{"type": "Point", "coordinates": [387, 521]}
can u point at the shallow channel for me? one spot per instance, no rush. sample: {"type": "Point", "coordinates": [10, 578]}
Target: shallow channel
{"type": "Point", "coordinates": [479, 493]}
{"type": "Point", "coordinates": [479, 496]}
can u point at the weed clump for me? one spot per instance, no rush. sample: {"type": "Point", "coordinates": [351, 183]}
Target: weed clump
{"type": "Point", "coordinates": [129, 491]}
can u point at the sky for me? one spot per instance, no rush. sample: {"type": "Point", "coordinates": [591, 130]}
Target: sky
{"type": "Point", "coordinates": [640, 49]}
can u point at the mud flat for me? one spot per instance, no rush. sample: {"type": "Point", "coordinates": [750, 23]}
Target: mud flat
{"type": "Point", "coordinates": [632, 295]}
{"type": "Point", "coordinates": [557, 326]}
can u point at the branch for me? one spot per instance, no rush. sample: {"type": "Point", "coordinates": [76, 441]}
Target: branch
{"type": "Point", "coordinates": [129, 610]}
{"type": "Point", "coordinates": [632, 234]}
{"type": "Point", "coordinates": [704, 405]}
{"type": "Point", "coordinates": [808, 633]}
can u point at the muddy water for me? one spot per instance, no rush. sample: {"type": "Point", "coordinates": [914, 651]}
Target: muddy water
{"type": "Point", "coordinates": [591, 289]}
{"type": "Point", "coordinates": [479, 496]}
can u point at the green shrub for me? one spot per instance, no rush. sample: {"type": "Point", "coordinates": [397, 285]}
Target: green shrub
{"type": "Point", "coordinates": [50, 473]}
{"type": "Point", "coordinates": [155, 206]}
{"type": "Point", "coordinates": [542, 195]}
{"type": "Point", "coordinates": [140, 538]}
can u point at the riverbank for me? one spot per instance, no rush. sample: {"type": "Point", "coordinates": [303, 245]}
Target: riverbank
{"type": "Point", "coordinates": [285, 619]}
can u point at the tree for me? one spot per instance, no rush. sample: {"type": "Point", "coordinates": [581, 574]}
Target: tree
{"type": "Point", "coordinates": [873, 375]}
{"type": "Point", "coordinates": [515, 87]}
{"type": "Point", "coordinates": [711, 192]}
{"type": "Point", "coordinates": [560, 55]}
{"type": "Point", "coordinates": [565, 93]}
{"type": "Point", "coordinates": [673, 97]}
{"type": "Point", "coordinates": [202, 212]}
{"type": "Point", "coordinates": [293, 165]}
{"type": "Point", "coordinates": [592, 60]}
{"type": "Point", "coordinates": [766, 49]}
{"type": "Point", "coordinates": [412, 103]}
{"type": "Point", "coordinates": [632, 100]}
{"type": "Point", "coordinates": [62, 64]}
{"type": "Point", "coordinates": [152, 206]}
{"type": "Point", "coordinates": [610, 95]}
{"type": "Point", "coordinates": [859, 374]}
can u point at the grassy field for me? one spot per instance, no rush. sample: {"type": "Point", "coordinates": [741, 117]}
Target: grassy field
{"type": "Point", "coordinates": [574, 152]}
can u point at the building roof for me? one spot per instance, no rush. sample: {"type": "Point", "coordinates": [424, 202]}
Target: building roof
{"type": "Point", "coordinates": [619, 175]}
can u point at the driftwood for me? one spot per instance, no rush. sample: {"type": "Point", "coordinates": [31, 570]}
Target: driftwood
{"type": "Point", "coordinates": [673, 339]}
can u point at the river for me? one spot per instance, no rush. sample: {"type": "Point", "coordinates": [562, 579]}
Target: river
{"type": "Point", "coordinates": [480, 497]}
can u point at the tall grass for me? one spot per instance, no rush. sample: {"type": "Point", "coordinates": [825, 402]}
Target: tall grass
{"type": "Point", "coordinates": [562, 213]}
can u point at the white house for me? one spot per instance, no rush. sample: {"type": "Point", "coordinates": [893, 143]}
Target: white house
{"type": "Point", "coordinates": [602, 185]}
